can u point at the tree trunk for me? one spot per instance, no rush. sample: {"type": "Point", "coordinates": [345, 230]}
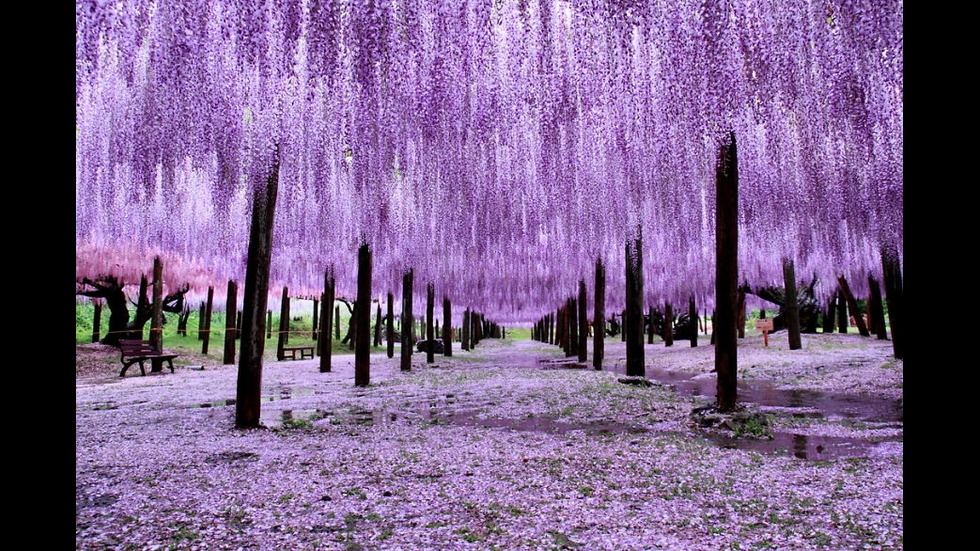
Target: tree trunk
{"type": "Point", "coordinates": [182, 318]}
{"type": "Point", "coordinates": [852, 305]}
{"type": "Point", "coordinates": [362, 351]}
{"type": "Point", "coordinates": [892, 276]}
{"type": "Point", "coordinates": [207, 321]}
{"type": "Point", "coordinates": [726, 276]}
{"type": "Point", "coordinates": [740, 319]}
{"type": "Point", "coordinates": [377, 327]}
{"type": "Point", "coordinates": [828, 318]}
{"type": "Point", "coordinates": [231, 308]}
{"type": "Point", "coordinates": [465, 344]}
{"type": "Point", "coordinates": [635, 363]}
{"type": "Point", "coordinates": [283, 323]}
{"type": "Point", "coordinates": [408, 322]}
{"type": "Point", "coordinates": [248, 405]}
{"type": "Point", "coordinates": [326, 334]}
{"type": "Point", "coordinates": [336, 325]}
{"type": "Point", "coordinates": [792, 307]}
{"type": "Point", "coordinates": [447, 326]}
{"type": "Point", "coordinates": [268, 323]}
{"type": "Point", "coordinates": [668, 324]}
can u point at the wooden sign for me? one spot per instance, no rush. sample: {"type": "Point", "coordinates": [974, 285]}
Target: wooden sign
{"type": "Point", "coordinates": [764, 325]}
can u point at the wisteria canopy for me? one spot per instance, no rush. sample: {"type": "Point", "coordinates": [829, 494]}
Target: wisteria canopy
{"type": "Point", "coordinates": [498, 147]}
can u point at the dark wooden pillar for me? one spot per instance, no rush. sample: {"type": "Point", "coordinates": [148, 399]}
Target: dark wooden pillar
{"type": "Point", "coordinates": [316, 318]}
{"type": "Point", "coordinates": [156, 317]}
{"type": "Point", "coordinates": [207, 321]}
{"type": "Point", "coordinates": [791, 310]}
{"type": "Point", "coordinates": [238, 325]}
{"type": "Point", "coordinates": [390, 326]}
{"type": "Point", "coordinates": [598, 342]}
{"type": "Point", "coordinates": [583, 324]}
{"type": "Point", "coordinates": [231, 309]}
{"type": "Point", "coordinates": [283, 323]}
{"type": "Point", "coordinates": [892, 278]}
{"type": "Point", "coordinates": [635, 362]}
{"type": "Point", "coordinates": [726, 275]}
{"type": "Point", "coordinates": [430, 330]}
{"type": "Point", "coordinates": [465, 344]}
{"type": "Point", "coordinates": [692, 313]}
{"type": "Point", "coordinates": [447, 326]}
{"type": "Point", "coordinates": [668, 324]}
{"type": "Point", "coordinates": [200, 322]}
{"type": "Point", "coordinates": [829, 313]}
{"type": "Point", "coordinates": [841, 311]}
{"type": "Point", "coordinates": [326, 335]}
{"type": "Point", "coordinates": [97, 320]}
{"type": "Point", "coordinates": [377, 326]}
{"type": "Point", "coordinates": [408, 323]}
{"type": "Point", "coordinates": [248, 403]}
{"type": "Point", "coordinates": [572, 349]}
{"type": "Point", "coordinates": [852, 305]}
{"type": "Point", "coordinates": [652, 328]}
{"type": "Point", "coordinates": [740, 316]}
{"type": "Point", "coordinates": [362, 347]}
{"type": "Point", "coordinates": [876, 310]}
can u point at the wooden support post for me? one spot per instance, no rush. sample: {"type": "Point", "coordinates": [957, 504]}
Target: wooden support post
{"type": "Point", "coordinates": [572, 349]}
{"type": "Point", "coordinates": [336, 323]}
{"type": "Point", "coordinates": [231, 309]}
{"type": "Point", "coordinates": [430, 332]}
{"type": "Point", "coordinates": [408, 323]}
{"type": "Point", "coordinates": [97, 319]}
{"type": "Point", "coordinates": [726, 276]}
{"type": "Point", "coordinates": [852, 305]}
{"type": "Point", "coordinates": [740, 319]}
{"type": "Point", "coordinates": [326, 335]}
{"type": "Point", "coordinates": [583, 324]}
{"type": "Point", "coordinates": [200, 322]}
{"type": "Point", "coordinates": [598, 342]}
{"type": "Point", "coordinates": [238, 326]}
{"type": "Point", "coordinates": [390, 326]}
{"type": "Point", "coordinates": [156, 317]}
{"type": "Point", "coordinates": [894, 297]}
{"type": "Point", "coordinates": [668, 324]}
{"type": "Point", "coordinates": [447, 327]}
{"type": "Point", "coordinates": [377, 326]}
{"type": "Point", "coordinates": [841, 311]}
{"type": "Point", "coordinates": [653, 327]}
{"type": "Point", "coordinates": [635, 362]}
{"type": "Point", "coordinates": [248, 403]}
{"type": "Point", "coordinates": [877, 310]}
{"type": "Point", "coordinates": [362, 350]}
{"type": "Point", "coordinates": [465, 344]}
{"type": "Point", "coordinates": [268, 324]}
{"type": "Point", "coordinates": [207, 321]}
{"type": "Point", "coordinates": [316, 318]}
{"type": "Point", "coordinates": [692, 313]}
{"type": "Point", "coordinates": [283, 323]}
{"type": "Point", "coordinates": [792, 308]}
{"type": "Point", "coordinates": [829, 313]}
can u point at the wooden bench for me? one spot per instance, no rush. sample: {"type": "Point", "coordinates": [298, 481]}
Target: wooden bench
{"type": "Point", "coordinates": [134, 351]}
{"type": "Point", "coordinates": [290, 352]}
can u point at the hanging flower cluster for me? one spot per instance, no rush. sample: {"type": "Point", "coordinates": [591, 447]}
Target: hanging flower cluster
{"type": "Point", "coordinates": [498, 147]}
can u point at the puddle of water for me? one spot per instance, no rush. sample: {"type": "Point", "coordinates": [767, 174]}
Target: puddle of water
{"type": "Point", "coordinates": [233, 401]}
{"type": "Point", "coordinates": [811, 448]}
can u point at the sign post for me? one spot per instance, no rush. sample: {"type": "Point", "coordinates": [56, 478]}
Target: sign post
{"type": "Point", "coordinates": [764, 325]}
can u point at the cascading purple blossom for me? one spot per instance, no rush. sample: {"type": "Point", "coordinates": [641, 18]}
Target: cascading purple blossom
{"type": "Point", "coordinates": [498, 147]}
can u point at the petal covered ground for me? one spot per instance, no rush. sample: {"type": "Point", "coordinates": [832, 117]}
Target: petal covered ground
{"type": "Point", "coordinates": [484, 450]}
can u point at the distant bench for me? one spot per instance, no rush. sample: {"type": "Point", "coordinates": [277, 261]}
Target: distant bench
{"type": "Point", "coordinates": [134, 351]}
{"type": "Point", "coordinates": [290, 352]}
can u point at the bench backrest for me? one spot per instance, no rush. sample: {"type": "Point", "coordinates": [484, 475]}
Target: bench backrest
{"type": "Point", "coordinates": [136, 348]}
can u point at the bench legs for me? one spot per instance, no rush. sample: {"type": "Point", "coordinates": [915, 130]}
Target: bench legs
{"type": "Point", "coordinates": [142, 369]}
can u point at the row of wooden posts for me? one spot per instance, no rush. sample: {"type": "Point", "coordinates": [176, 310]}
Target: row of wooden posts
{"type": "Point", "coordinates": [248, 404]}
